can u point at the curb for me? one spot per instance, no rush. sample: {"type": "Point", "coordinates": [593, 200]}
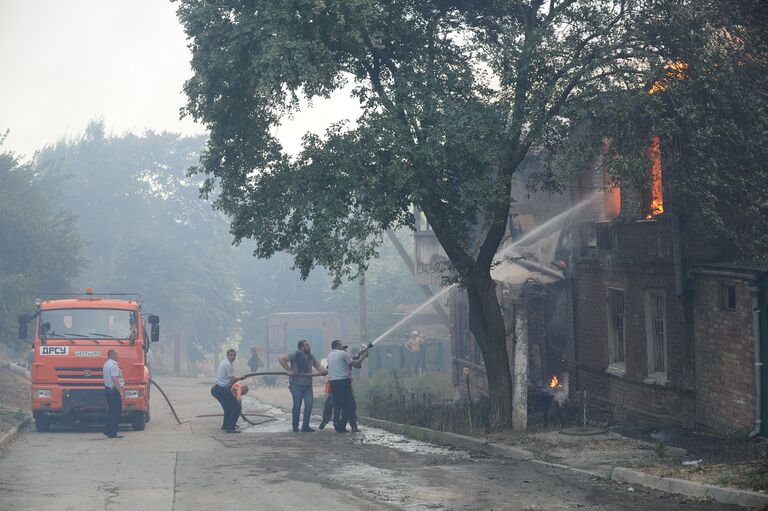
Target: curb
{"type": "Point", "coordinates": [743, 498]}
{"type": "Point", "coordinates": [13, 433]}
{"type": "Point", "coordinates": [452, 439]}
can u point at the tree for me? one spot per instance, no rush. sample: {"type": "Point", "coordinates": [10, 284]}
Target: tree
{"type": "Point", "coordinates": [453, 95]}
{"type": "Point", "coordinates": [146, 229]}
{"type": "Point", "coordinates": [39, 244]}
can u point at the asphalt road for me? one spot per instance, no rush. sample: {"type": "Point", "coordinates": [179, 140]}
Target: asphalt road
{"type": "Point", "coordinates": [196, 466]}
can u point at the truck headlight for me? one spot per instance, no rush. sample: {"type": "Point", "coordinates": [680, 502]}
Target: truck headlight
{"type": "Point", "coordinates": [42, 393]}
{"type": "Point", "coordinates": [134, 394]}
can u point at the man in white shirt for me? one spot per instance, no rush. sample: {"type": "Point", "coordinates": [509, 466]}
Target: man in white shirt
{"type": "Point", "coordinates": [339, 376]}
{"type": "Point", "coordinates": [113, 388]}
{"type": "Point", "coordinates": [222, 391]}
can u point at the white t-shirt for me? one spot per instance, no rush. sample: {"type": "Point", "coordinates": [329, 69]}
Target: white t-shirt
{"type": "Point", "coordinates": [224, 373]}
{"type": "Point", "coordinates": [338, 365]}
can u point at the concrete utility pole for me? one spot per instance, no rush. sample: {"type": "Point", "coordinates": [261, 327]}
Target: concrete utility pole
{"type": "Point", "coordinates": [520, 375]}
{"type": "Point", "coordinates": [362, 304]}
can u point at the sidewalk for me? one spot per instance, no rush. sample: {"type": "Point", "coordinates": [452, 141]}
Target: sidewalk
{"type": "Point", "coordinates": [731, 471]}
{"type": "Point", "coordinates": [608, 456]}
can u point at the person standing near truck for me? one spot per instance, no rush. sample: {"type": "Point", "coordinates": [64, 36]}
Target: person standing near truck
{"type": "Point", "coordinates": [113, 388]}
{"type": "Point", "coordinates": [222, 391]}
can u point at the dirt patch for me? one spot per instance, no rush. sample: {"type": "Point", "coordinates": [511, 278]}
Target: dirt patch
{"type": "Point", "coordinates": [14, 398]}
{"type": "Point", "coordinates": [747, 476]}
{"type": "Point", "coordinates": [728, 462]}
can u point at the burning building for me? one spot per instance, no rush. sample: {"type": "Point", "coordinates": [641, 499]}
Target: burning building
{"type": "Point", "coordinates": [664, 334]}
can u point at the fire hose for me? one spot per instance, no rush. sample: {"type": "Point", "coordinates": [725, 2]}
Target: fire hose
{"type": "Point", "coordinates": [173, 410]}
{"type": "Point", "coordinates": [243, 416]}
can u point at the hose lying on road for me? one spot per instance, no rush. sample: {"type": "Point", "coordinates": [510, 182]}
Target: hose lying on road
{"type": "Point", "coordinates": [167, 401]}
{"type": "Point", "coordinates": [242, 415]}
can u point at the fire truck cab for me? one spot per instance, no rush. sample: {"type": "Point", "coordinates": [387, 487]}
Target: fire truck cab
{"type": "Point", "coordinates": [72, 335]}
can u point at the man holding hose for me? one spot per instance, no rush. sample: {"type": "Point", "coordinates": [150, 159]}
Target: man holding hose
{"type": "Point", "coordinates": [340, 377]}
{"type": "Point", "coordinates": [300, 382]}
{"type": "Point", "coordinates": [222, 391]}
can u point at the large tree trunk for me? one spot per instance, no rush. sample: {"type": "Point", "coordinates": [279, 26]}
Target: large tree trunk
{"type": "Point", "coordinates": [487, 324]}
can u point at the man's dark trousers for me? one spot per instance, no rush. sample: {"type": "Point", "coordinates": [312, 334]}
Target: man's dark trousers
{"type": "Point", "coordinates": [328, 411]}
{"type": "Point", "coordinates": [229, 404]}
{"type": "Point", "coordinates": [343, 403]}
{"type": "Point", "coordinates": [114, 409]}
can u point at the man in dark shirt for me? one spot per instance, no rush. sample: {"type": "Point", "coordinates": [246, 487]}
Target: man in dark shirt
{"type": "Point", "coordinates": [300, 382]}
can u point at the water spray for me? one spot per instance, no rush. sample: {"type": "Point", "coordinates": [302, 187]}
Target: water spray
{"type": "Point", "coordinates": [541, 230]}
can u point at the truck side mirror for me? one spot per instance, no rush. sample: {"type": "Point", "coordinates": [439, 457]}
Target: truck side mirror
{"type": "Point", "coordinates": [23, 321]}
{"type": "Point", "coordinates": [154, 321]}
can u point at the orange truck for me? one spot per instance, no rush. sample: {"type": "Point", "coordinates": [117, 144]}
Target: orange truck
{"type": "Point", "coordinates": [72, 335]}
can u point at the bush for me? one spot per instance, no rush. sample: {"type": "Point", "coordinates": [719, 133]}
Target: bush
{"type": "Point", "coordinates": [424, 400]}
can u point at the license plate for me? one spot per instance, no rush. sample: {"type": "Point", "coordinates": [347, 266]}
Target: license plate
{"type": "Point", "coordinates": [87, 353]}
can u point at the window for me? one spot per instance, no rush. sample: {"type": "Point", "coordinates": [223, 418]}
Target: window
{"type": "Point", "coordinates": [656, 333]}
{"type": "Point", "coordinates": [88, 324]}
{"type": "Point", "coordinates": [727, 297]}
{"type": "Point", "coordinates": [616, 325]}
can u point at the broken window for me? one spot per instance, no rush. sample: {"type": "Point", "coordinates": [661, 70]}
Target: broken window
{"type": "Point", "coordinates": [656, 331]}
{"type": "Point", "coordinates": [616, 325]}
{"type": "Point", "coordinates": [656, 200]}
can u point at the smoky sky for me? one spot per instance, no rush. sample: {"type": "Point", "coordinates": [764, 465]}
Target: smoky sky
{"type": "Point", "coordinates": [67, 62]}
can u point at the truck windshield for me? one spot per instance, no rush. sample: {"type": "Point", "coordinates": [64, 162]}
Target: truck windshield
{"type": "Point", "coordinates": [88, 324]}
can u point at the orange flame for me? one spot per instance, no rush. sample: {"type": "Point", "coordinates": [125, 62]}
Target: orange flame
{"type": "Point", "coordinates": [554, 383]}
{"type": "Point", "coordinates": [676, 70]}
{"type": "Point", "coordinates": [657, 196]}
{"type": "Point", "coordinates": [612, 198]}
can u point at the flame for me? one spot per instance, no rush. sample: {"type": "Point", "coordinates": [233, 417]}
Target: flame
{"type": "Point", "coordinates": [677, 70]}
{"type": "Point", "coordinates": [612, 198]}
{"type": "Point", "coordinates": [554, 383]}
{"type": "Point", "coordinates": [657, 196]}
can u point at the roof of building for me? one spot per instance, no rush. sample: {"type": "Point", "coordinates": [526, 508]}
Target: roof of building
{"type": "Point", "coordinates": [759, 267]}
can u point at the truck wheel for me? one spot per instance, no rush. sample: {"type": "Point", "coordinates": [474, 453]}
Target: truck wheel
{"type": "Point", "coordinates": [42, 423]}
{"type": "Point", "coordinates": [138, 421]}
{"type": "Point", "coordinates": [146, 415]}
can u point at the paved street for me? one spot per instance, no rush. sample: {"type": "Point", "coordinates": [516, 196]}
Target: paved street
{"type": "Point", "coordinates": [195, 466]}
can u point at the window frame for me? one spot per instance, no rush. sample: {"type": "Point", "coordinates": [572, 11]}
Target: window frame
{"type": "Point", "coordinates": [616, 367]}
{"type": "Point", "coordinates": [651, 331]}
{"type": "Point", "coordinates": [723, 296]}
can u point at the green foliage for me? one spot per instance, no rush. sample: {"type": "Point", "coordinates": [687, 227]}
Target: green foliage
{"type": "Point", "coordinates": [391, 387]}
{"type": "Point", "coordinates": [147, 231]}
{"type": "Point", "coordinates": [39, 243]}
{"type": "Point", "coordinates": [453, 95]}
{"type": "Point", "coordinates": [389, 396]}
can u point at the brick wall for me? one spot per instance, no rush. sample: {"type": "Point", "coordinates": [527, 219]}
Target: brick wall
{"type": "Point", "coordinates": [725, 371]}
{"type": "Point", "coordinates": [634, 257]}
